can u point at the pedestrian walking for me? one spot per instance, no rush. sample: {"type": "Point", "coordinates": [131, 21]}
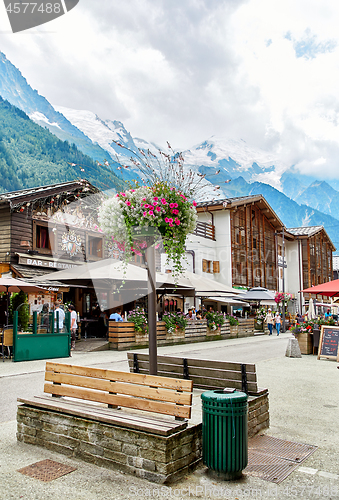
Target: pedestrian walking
{"type": "Point", "coordinates": [269, 319]}
{"type": "Point", "coordinates": [74, 325]}
{"type": "Point", "coordinates": [60, 312]}
{"type": "Point", "coordinates": [277, 322]}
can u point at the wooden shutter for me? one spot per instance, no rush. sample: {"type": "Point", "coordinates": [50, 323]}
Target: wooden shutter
{"type": "Point", "coordinates": [204, 266]}
{"type": "Point", "coordinates": [216, 266]}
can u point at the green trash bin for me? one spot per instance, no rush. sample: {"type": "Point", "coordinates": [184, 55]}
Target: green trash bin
{"type": "Point", "coordinates": [224, 432]}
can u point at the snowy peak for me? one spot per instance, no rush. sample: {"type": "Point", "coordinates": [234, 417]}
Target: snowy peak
{"type": "Point", "coordinates": [101, 132]}
{"type": "Point", "coordinates": [236, 157]}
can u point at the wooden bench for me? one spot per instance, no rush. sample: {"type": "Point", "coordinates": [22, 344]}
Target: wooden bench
{"type": "Point", "coordinates": [6, 341]}
{"type": "Point", "coordinates": [213, 375]}
{"type": "Point", "coordinates": [86, 416]}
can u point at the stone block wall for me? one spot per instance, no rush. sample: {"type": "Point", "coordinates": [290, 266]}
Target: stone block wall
{"type": "Point", "coordinates": [258, 413]}
{"type": "Point", "coordinates": [156, 458]}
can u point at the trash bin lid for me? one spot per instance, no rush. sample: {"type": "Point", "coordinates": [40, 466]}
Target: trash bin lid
{"type": "Point", "coordinates": [220, 395]}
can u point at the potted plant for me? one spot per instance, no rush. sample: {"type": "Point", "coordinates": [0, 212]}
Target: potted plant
{"type": "Point", "coordinates": [175, 323]}
{"type": "Point", "coordinates": [302, 332]}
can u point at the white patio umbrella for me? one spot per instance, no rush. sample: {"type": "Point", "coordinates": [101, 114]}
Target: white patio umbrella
{"type": "Point", "coordinates": [111, 275]}
{"type": "Point", "coordinates": [205, 286]}
{"type": "Point", "coordinates": [258, 294]}
{"type": "Point", "coordinates": [13, 285]}
{"type": "Point", "coordinates": [232, 301]}
{"type": "Point", "coordinates": [311, 311]}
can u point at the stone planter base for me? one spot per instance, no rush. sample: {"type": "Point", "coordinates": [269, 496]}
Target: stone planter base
{"type": "Point", "coordinates": [156, 458]}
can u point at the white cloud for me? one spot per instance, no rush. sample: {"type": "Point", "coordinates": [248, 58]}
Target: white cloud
{"type": "Point", "coordinates": [184, 71]}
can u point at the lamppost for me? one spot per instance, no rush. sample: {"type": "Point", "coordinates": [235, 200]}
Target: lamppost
{"type": "Point", "coordinates": [283, 281]}
{"type": "Point", "coordinates": [283, 277]}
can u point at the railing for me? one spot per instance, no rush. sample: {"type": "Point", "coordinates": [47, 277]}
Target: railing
{"type": "Point", "coordinates": [205, 230]}
{"type": "Point", "coordinates": [38, 344]}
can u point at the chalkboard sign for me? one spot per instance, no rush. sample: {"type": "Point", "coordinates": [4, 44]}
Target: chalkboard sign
{"type": "Point", "coordinates": [329, 343]}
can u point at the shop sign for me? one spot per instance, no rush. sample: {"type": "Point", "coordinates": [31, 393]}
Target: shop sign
{"type": "Point", "coordinates": [51, 264]}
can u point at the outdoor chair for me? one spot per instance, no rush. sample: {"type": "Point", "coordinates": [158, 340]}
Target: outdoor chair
{"type": "Point", "coordinates": [6, 341]}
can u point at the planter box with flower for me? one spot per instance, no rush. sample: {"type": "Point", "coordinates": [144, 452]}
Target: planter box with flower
{"type": "Point", "coordinates": [123, 335]}
{"type": "Point", "coordinates": [176, 324]}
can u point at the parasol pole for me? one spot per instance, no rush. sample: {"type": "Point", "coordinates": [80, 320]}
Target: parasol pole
{"type": "Point", "coordinates": [152, 305]}
{"type": "Point", "coordinates": [7, 305]}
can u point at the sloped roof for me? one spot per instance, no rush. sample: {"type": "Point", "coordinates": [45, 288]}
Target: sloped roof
{"type": "Point", "coordinates": [16, 197]}
{"type": "Point", "coordinates": [309, 231]}
{"type": "Point", "coordinates": [305, 230]}
{"type": "Point", "coordinates": [229, 203]}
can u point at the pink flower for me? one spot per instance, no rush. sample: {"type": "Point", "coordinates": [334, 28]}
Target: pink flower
{"type": "Point", "coordinates": [175, 205]}
{"type": "Point", "coordinates": [155, 203]}
{"type": "Point", "coordinates": [151, 212]}
{"type": "Point", "coordinates": [117, 195]}
{"type": "Point", "coordinates": [170, 220]}
{"type": "Point", "coordinates": [144, 214]}
{"type": "Point", "coordinates": [155, 198]}
{"type": "Point", "coordinates": [177, 221]}
{"type": "Point", "coordinates": [175, 211]}
{"type": "Point", "coordinates": [194, 203]}
{"type": "Point", "coordinates": [163, 201]}
{"type": "Point", "coordinates": [123, 194]}
{"type": "Point", "coordinates": [167, 219]}
{"type": "Point", "coordinates": [132, 190]}
{"type": "Point", "coordinates": [144, 199]}
{"type": "Point", "coordinates": [171, 205]}
{"type": "Point", "coordinates": [158, 209]}
{"type": "Point", "coordinates": [128, 203]}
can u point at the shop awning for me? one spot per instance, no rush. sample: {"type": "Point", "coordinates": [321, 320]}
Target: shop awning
{"type": "Point", "coordinates": [232, 301]}
{"type": "Point", "coordinates": [35, 275]}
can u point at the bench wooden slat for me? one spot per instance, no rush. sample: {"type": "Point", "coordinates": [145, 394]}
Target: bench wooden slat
{"type": "Point", "coordinates": [140, 422]}
{"type": "Point", "coordinates": [214, 383]}
{"type": "Point", "coordinates": [206, 374]}
{"type": "Point", "coordinates": [178, 370]}
{"type": "Point", "coordinates": [203, 363]}
{"type": "Point", "coordinates": [136, 378]}
{"type": "Point", "coordinates": [141, 391]}
{"type": "Point", "coordinates": [120, 400]}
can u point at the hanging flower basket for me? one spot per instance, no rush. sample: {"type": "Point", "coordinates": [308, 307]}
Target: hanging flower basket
{"type": "Point", "coordinates": [161, 212]}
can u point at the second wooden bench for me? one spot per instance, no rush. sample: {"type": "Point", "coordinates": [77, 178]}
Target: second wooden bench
{"type": "Point", "coordinates": [210, 375]}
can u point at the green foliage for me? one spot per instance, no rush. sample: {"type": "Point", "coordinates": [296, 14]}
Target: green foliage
{"type": "Point", "coordinates": [214, 320]}
{"type": "Point", "coordinates": [19, 302]}
{"type": "Point", "coordinates": [31, 156]}
{"type": "Point", "coordinates": [232, 319]}
{"type": "Point", "coordinates": [138, 317]}
{"type": "Point", "coordinates": [174, 320]}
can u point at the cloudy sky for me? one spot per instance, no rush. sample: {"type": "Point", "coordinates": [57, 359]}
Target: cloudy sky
{"type": "Point", "coordinates": [265, 71]}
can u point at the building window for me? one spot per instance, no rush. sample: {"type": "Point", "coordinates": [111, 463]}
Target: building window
{"type": "Point", "coordinates": [94, 248]}
{"type": "Point", "coordinates": [43, 239]}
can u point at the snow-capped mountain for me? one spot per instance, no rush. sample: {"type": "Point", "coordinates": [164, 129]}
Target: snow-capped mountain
{"type": "Point", "coordinates": [237, 158]}
{"type": "Point", "coordinates": [251, 170]}
{"type": "Point", "coordinates": [15, 89]}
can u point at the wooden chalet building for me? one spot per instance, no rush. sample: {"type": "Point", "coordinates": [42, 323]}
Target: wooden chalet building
{"type": "Point", "coordinates": [51, 228]}
{"type": "Point", "coordinates": [241, 242]}
{"type": "Point", "coordinates": [245, 230]}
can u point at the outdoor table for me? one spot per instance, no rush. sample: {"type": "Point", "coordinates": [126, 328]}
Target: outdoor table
{"type": "Point", "coordinates": [85, 322]}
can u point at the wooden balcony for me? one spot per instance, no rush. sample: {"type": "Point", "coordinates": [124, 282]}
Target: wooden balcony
{"type": "Point", "coordinates": [205, 230]}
